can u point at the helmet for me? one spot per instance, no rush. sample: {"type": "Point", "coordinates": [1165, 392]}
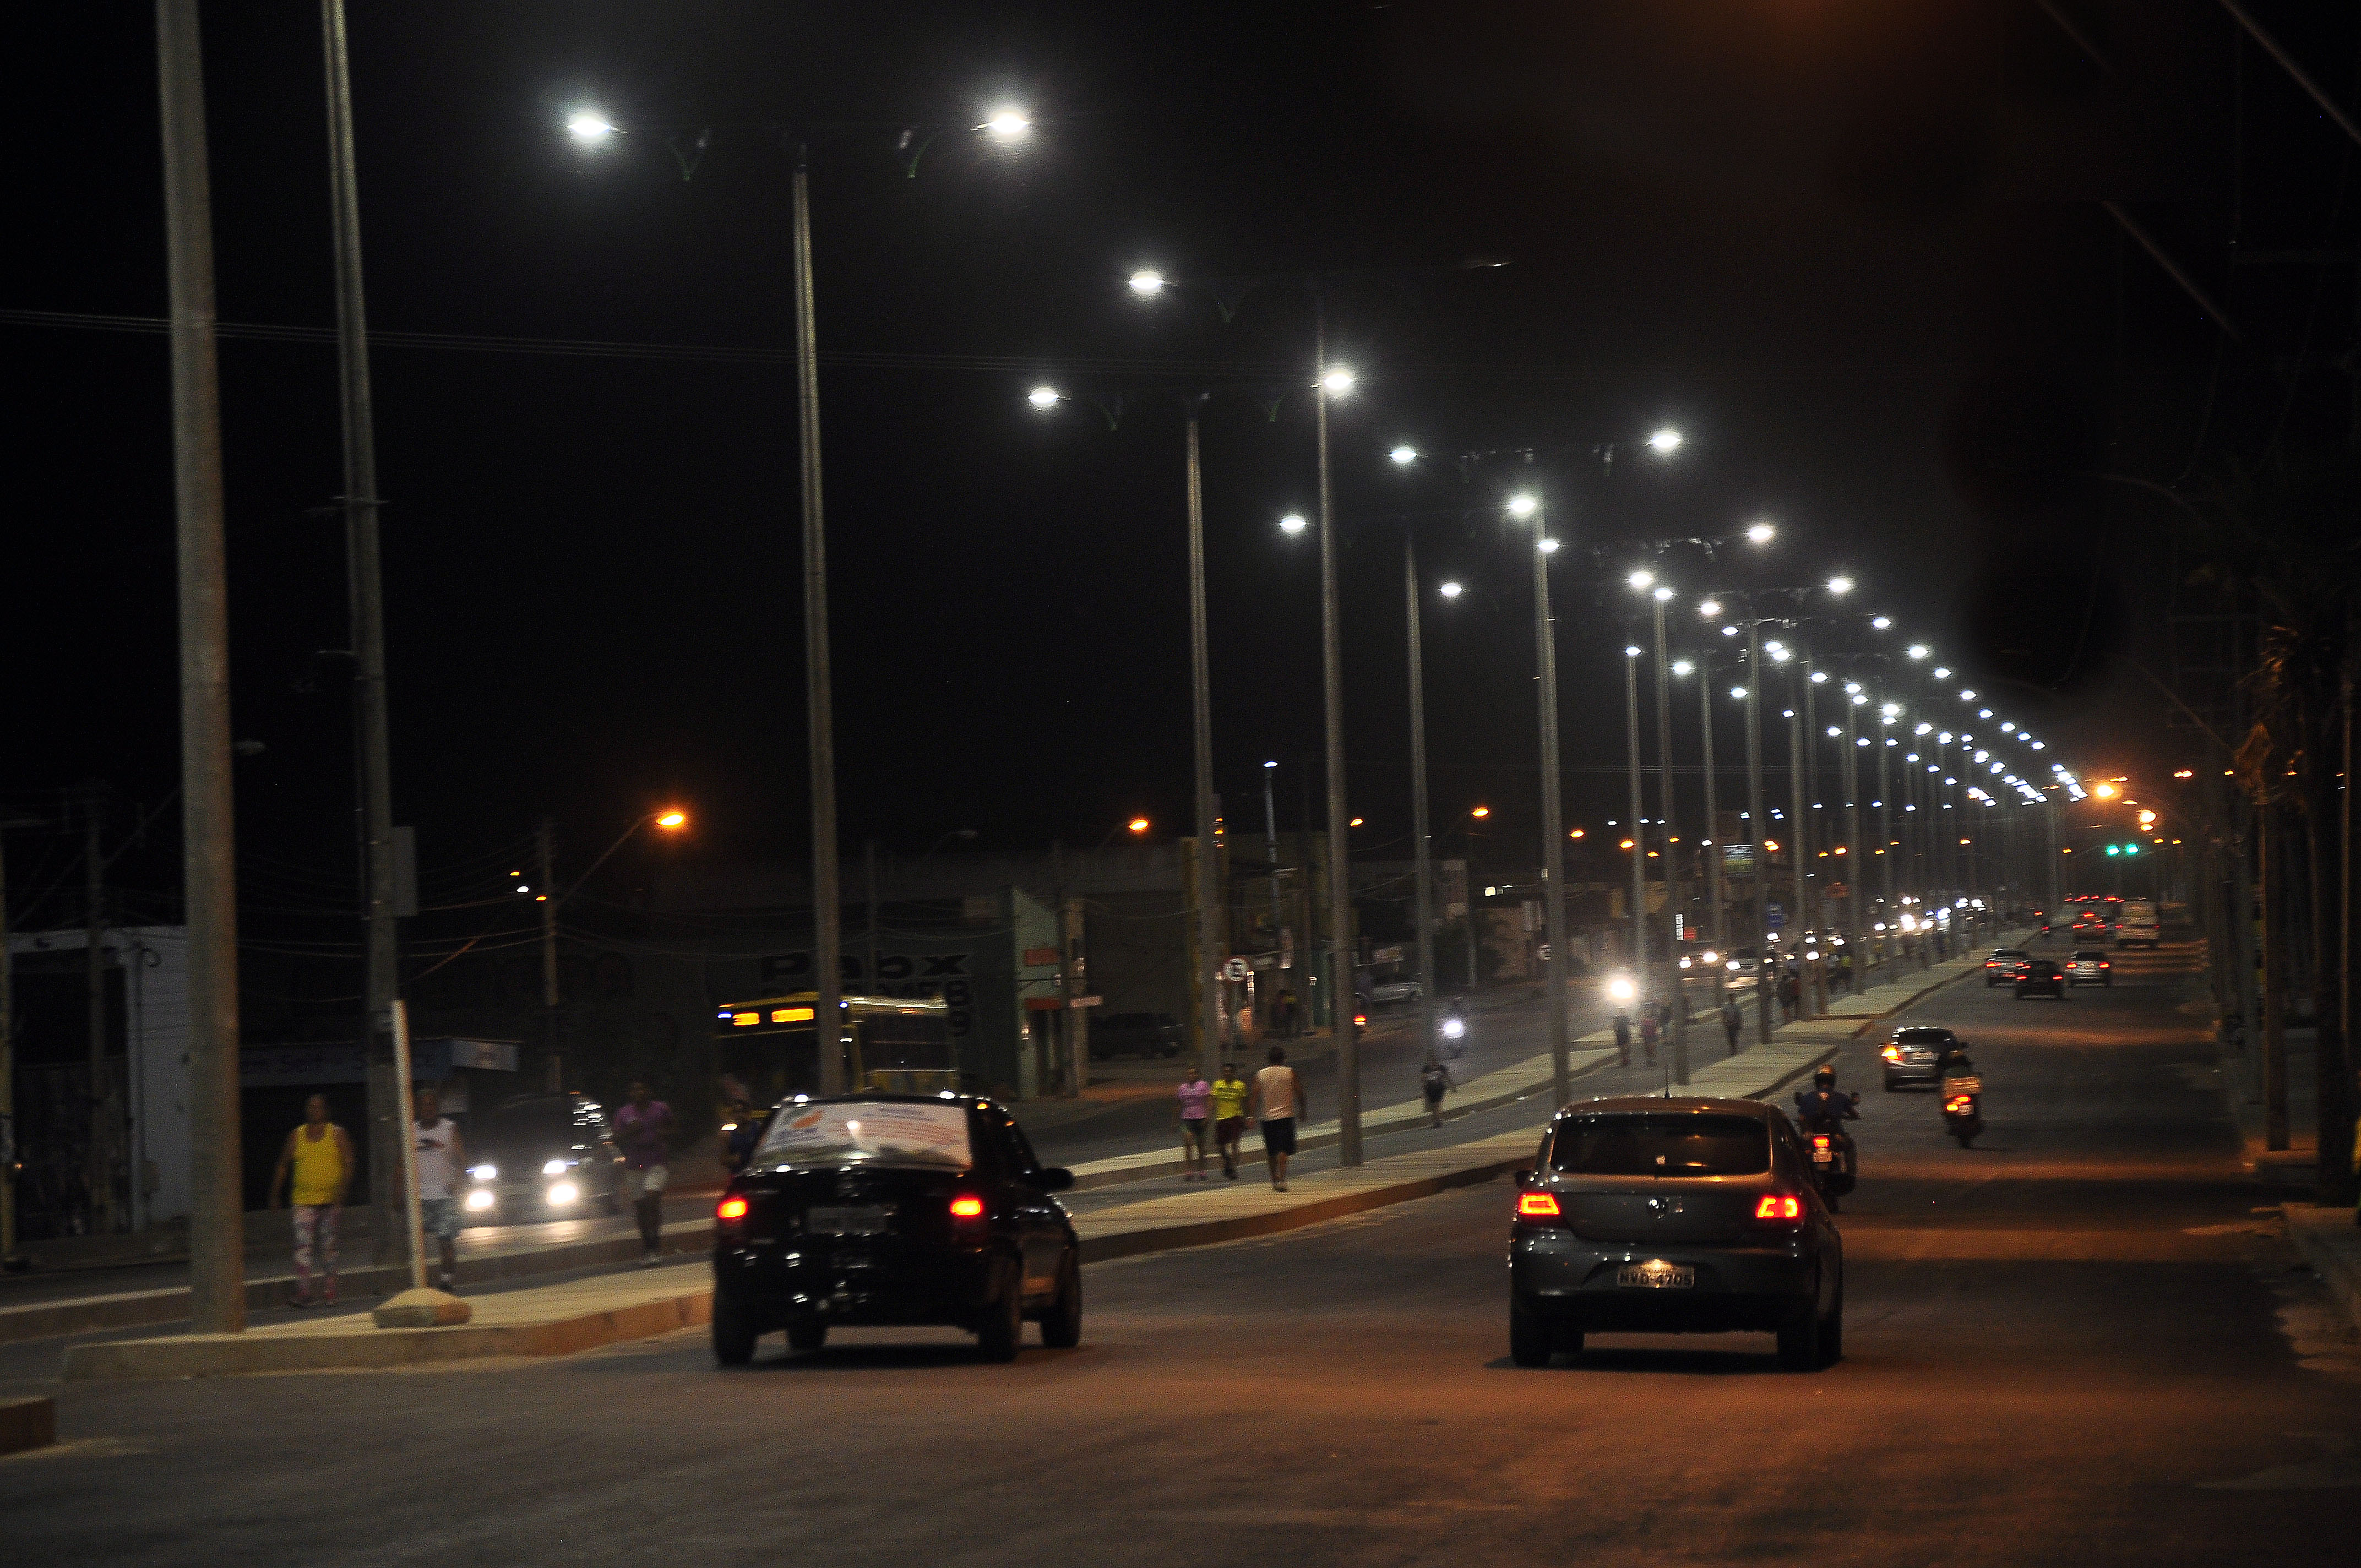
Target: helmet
{"type": "Point", "coordinates": [1826, 1077]}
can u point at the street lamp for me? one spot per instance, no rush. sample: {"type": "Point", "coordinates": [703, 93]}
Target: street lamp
{"type": "Point", "coordinates": [1044, 398]}
{"type": "Point", "coordinates": [1403, 456]}
{"type": "Point", "coordinates": [1666, 441]}
{"type": "Point", "coordinates": [1760, 533]}
{"type": "Point", "coordinates": [1292, 524]}
{"type": "Point", "coordinates": [1661, 595]}
{"type": "Point", "coordinates": [590, 129]}
{"type": "Point", "coordinates": [1009, 126]}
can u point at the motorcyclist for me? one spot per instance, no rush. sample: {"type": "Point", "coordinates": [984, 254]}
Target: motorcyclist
{"type": "Point", "coordinates": [1822, 1109]}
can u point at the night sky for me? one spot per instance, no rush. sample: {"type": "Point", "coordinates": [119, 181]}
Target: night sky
{"type": "Point", "coordinates": [1853, 249]}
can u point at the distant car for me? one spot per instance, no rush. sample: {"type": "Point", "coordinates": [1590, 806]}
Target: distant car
{"type": "Point", "coordinates": [1912, 1054]}
{"type": "Point", "coordinates": [2139, 926]}
{"type": "Point", "coordinates": [2002, 967]}
{"type": "Point", "coordinates": [1137, 1035]}
{"type": "Point", "coordinates": [893, 1210]}
{"type": "Point", "coordinates": [2089, 966]}
{"type": "Point", "coordinates": [2090, 920]}
{"type": "Point", "coordinates": [1673, 1216]}
{"type": "Point", "coordinates": [1391, 992]}
{"type": "Point", "coordinates": [540, 1157]}
{"type": "Point", "coordinates": [2039, 977]}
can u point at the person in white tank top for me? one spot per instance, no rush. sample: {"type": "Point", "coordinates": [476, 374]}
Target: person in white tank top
{"type": "Point", "coordinates": [441, 1156]}
{"type": "Point", "coordinates": [1277, 1103]}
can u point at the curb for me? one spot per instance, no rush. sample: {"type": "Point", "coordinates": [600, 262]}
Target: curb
{"type": "Point", "coordinates": [211, 1355]}
{"type": "Point", "coordinates": [2310, 1227]}
{"type": "Point", "coordinates": [27, 1424]}
{"type": "Point", "coordinates": [1206, 1232]}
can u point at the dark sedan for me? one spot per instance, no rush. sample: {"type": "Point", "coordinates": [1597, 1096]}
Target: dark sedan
{"type": "Point", "coordinates": [2040, 977]}
{"type": "Point", "coordinates": [1673, 1216]}
{"type": "Point", "coordinates": [894, 1209]}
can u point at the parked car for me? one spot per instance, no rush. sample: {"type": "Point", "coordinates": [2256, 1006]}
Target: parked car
{"type": "Point", "coordinates": [1673, 1216]}
{"type": "Point", "coordinates": [2002, 967]}
{"type": "Point", "coordinates": [1137, 1035]}
{"type": "Point", "coordinates": [540, 1157]}
{"type": "Point", "coordinates": [2089, 966]}
{"type": "Point", "coordinates": [1392, 992]}
{"type": "Point", "coordinates": [1912, 1054]}
{"type": "Point", "coordinates": [2039, 977]}
{"type": "Point", "coordinates": [894, 1209]}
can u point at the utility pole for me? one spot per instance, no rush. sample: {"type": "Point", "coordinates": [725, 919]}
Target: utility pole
{"type": "Point", "coordinates": [1423, 852]}
{"type": "Point", "coordinates": [869, 968]}
{"type": "Point", "coordinates": [1639, 827]}
{"type": "Point", "coordinates": [1553, 971]}
{"type": "Point", "coordinates": [1816, 993]}
{"type": "Point", "coordinates": [1674, 983]}
{"type": "Point", "coordinates": [1798, 843]}
{"type": "Point", "coordinates": [1206, 1030]}
{"type": "Point", "coordinates": [1756, 837]}
{"type": "Point", "coordinates": [1885, 829]}
{"type": "Point", "coordinates": [8, 1067]}
{"type": "Point", "coordinates": [98, 1174]}
{"type": "Point", "coordinates": [819, 701]}
{"type": "Point", "coordinates": [544, 836]}
{"type": "Point", "coordinates": [1340, 844]}
{"type": "Point", "coordinates": [217, 1217]}
{"type": "Point", "coordinates": [1709, 842]}
{"type": "Point", "coordinates": [1856, 874]}
{"type": "Point", "coordinates": [365, 584]}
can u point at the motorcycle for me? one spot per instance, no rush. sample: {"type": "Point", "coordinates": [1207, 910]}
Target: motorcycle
{"type": "Point", "coordinates": [1832, 1171]}
{"type": "Point", "coordinates": [1963, 1117]}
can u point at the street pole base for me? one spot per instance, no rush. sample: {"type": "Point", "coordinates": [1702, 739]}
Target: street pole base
{"type": "Point", "coordinates": [421, 1310]}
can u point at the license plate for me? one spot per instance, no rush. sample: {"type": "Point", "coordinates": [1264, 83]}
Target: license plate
{"type": "Point", "coordinates": [1656, 1275]}
{"type": "Point", "coordinates": [868, 1220]}
{"type": "Point", "coordinates": [1964, 1086]}
{"type": "Point", "coordinates": [1824, 1157]}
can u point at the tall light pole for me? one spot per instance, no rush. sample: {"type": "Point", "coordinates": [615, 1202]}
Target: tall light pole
{"type": "Point", "coordinates": [1758, 840]}
{"type": "Point", "coordinates": [1008, 127]}
{"type": "Point", "coordinates": [1424, 856]}
{"type": "Point", "coordinates": [1327, 384]}
{"type": "Point", "coordinates": [217, 1213]}
{"type": "Point", "coordinates": [1639, 833]}
{"type": "Point", "coordinates": [1207, 1015]}
{"type": "Point", "coordinates": [365, 585]}
{"type": "Point", "coordinates": [1553, 971]}
{"type": "Point", "coordinates": [1798, 841]}
{"type": "Point", "coordinates": [1856, 874]}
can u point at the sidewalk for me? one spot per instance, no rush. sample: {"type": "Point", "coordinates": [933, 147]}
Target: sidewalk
{"type": "Point", "coordinates": [556, 1319]}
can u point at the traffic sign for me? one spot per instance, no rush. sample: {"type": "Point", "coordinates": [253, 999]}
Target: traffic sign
{"type": "Point", "coordinates": [1235, 968]}
{"type": "Point", "coordinates": [1774, 916]}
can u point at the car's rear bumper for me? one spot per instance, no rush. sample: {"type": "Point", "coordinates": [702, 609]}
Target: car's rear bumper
{"type": "Point", "coordinates": [1897, 1076]}
{"type": "Point", "coordinates": [781, 1285]}
{"type": "Point", "coordinates": [1571, 1281]}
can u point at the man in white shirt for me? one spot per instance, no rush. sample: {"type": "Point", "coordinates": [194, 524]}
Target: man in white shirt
{"type": "Point", "coordinates": [440, 1160]}
{"type": "Point", "coordinates": [1276, 1102]}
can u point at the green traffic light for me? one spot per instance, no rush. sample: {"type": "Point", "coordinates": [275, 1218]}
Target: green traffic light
{"type": "Point", "coordinates": [2114, 849]}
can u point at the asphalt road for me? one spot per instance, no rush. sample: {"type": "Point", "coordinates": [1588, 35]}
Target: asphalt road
{"type": "Point", "coordinates": [2079, 1343]}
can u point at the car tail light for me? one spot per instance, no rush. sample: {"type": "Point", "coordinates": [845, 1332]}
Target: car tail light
{"type": "Point", "coordinates": [1819, 1140]}
{"type": "Point", "coordinates": [1779, 1206]}
{"type": "Point", "coordinates": [1892, 1053]}
{"type": "Point", "coordinates": [1960, 1104]}
{"type": "Point", "coordinates": [966, 1208]}
{"type": "Point", "coordinates": [1536, 1206]}
{"type": "Point", "coordinates": [730, 1209]}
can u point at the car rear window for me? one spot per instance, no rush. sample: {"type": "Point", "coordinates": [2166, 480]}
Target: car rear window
{"type": "Point", "coordinates": [1667, 1144]}
{"type": "Point", "coordinates": [886, 1133]}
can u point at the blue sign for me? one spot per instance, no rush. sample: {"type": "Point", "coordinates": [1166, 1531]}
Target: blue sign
{"type": "Point", "coordinates": [1774, 916]}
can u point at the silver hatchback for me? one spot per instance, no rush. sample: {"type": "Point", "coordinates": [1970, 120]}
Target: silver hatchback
{"type": "Point", "coordinates": [1673, 1216]}
{"type": "Point", "coordinates": [1912, 1056]}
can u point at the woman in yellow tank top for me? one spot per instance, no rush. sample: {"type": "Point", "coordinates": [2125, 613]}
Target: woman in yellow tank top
{"type": "Point", "coordinates": [320, 1158]}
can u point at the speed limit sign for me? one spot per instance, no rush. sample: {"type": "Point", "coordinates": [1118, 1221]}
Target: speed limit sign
{"type": "Point", "coordinates": [1234, 968]}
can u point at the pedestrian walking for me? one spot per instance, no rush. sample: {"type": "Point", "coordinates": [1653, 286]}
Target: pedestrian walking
{"type": "Point", "coordinates": [1230, 1092]}
{"type": "Point", "coordinates": [318, 1155]}
{"type": "Point", "coordinates": [1434, 1080]}
{"type": "Point", "coordinates": [1623, 1039]}
{"type": "Point", "coordinates": [1277, 1103]}
{"type": "Point", "coordinates": [1648, 1031]}
{"type": "Point", "coordinates": [639, 1131]}
{"type": "Point", "coordinates": [1290, 1014]}
{"type": "Point", "coordinates": [1732, 1020]}
{"type": "Point", "coordinates": [441, 1156]}
{"type": "Point", "coordinates": [1196, 1097]}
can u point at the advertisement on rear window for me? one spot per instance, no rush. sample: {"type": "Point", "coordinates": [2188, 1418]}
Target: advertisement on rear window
{"type": "Point", "coordinates": [883, 1133]}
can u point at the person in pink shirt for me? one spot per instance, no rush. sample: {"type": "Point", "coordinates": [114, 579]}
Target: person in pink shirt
{"type": "Point", "coordinates": [1196, 1102]}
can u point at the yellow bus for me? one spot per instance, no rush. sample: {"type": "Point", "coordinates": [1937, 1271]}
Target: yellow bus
{"type": "Point", "coordinates": [892, 1045]}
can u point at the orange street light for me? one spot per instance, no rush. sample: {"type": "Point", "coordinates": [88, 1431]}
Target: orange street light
{"type": "Point", "coordinates": [1624, 845]}
{"type": "Point", "coordinates": [2103, 791]}
{"type": "Point", "coordinates": [1357, 821]}
{"type": "Point", "coordinates": [672, 821]}
{"type": "Point", "coordinates": [1575, 834]}
{"type": "Point", "coordinates": [1138, 825]}
{"type": "Point", "coordinates": [1481, 811]}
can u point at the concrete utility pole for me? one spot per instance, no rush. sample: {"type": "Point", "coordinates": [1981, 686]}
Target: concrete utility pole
{"type": "Point", "coordinates": [98, 1175]}
{"type": "Point", "coordinates": [1674, 984]}
{"type": "Point", "coordinates": [1639, 828]}
{"type": "Point", "coordinates": [819, 702]}
{"type": "Point", "coordinates": [1755, 836]}
{"type": "Point", "coordinates": [365, 584]}
{"type": "Point", "coordinates": [1798, 844]}
{"type": "Point", "coordinates": [1423, 854]}
{"type": "Point", "coordinates": [7, 1069]}
{"type": "Point", "coordinates": [1205, 1031]}
{"type": "Point", "coordinates": [1856, 873]}
{"type": "Point", "coordinates": [217, 1217]}
{"type": "Point", "coordinates": [544, 840]}
{"type": "Point", "coordinates": [1553, 971]}
{"type": "Point", "coordinates": [1340, 843]}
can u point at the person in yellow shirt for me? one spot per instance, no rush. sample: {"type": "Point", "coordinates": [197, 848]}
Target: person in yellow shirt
{"type": "Point", "coordinates": [320, 1158]}
{"type": "Point", "coordinates": [1230, 1093]}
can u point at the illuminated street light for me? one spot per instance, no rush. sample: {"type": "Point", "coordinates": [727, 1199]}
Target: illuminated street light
{"type": "Point", "coordinates": [1450, 590]}
{"type": "Point", "coordinates": [1942, 674]}
{"type": "Point", "coordinates": [590, 127]}
{"type": "Point", "coordinates": [1481, 811]}
{"type": "Point", "coordinates": [1044, 398]}
{"type": "Point", "coordinates": [1760, 533]}
{"type": "Point", "coordinates": [1009, 125]}
{"type": "Point", "coordinates": [1293, 523]}
{"type": "Point", "coordinates": [1709, 609]}
{"type": "Point", "coordinates": [1880, 623]}
{"type": "Point", "coordinates": [1666, 440]}
{"type": "Point", "coordinates": [1548, 546]}
{"type": "Point", "coordinates": [1643, 578]}
{"type": "Point", "coordinates": [1403, 456]}
{"type": "Point", "coordinates": [1919, 650]}
{"type": "Point", "coordinates": [1664, 595]}
{"type": "Point", "coordinates": [1147, 281]}
{"type": "Point", "coordinates": [1839, 585]}
{"type": "Point", "coordinates": [673, 822]}
{"type": "Point", "coordinates": [1682, 667]}
{"type": "Point", "coordinates": [1138, 825]}
{"type": "Point", "coordinates": [1523, 506]}
{"type": "Point", "coordinates": [1337, 381]}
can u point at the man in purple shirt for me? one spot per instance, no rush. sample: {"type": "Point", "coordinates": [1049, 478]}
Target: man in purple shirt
{"type": "Point", "coordinates": [639, 1129]}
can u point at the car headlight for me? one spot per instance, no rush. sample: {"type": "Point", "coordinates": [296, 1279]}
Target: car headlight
{"type": "Point", "coordinates": [563, 1193]}
{"type": "Point", "coordinates": [555, 1168]}
{"type": "Point", "coordinates": [479, 1200]}
{"type": "Point", "coordinates": [1453, 1029]}
{"type": "Point", "coordinates": [484, 1172]}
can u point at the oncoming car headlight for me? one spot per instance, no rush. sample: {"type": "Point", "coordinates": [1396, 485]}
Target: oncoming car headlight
{"type": "Point", "coordinates": [555, 1168]}
{"type": "Point", "coordinates": [562, 1193]}
{"type": "Point", "coordinates": [1453, 1029]}
{"type": "Point", "coordinates": [484, 1172]}
{"type": "Point", "coordinates": [479, 1200]}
